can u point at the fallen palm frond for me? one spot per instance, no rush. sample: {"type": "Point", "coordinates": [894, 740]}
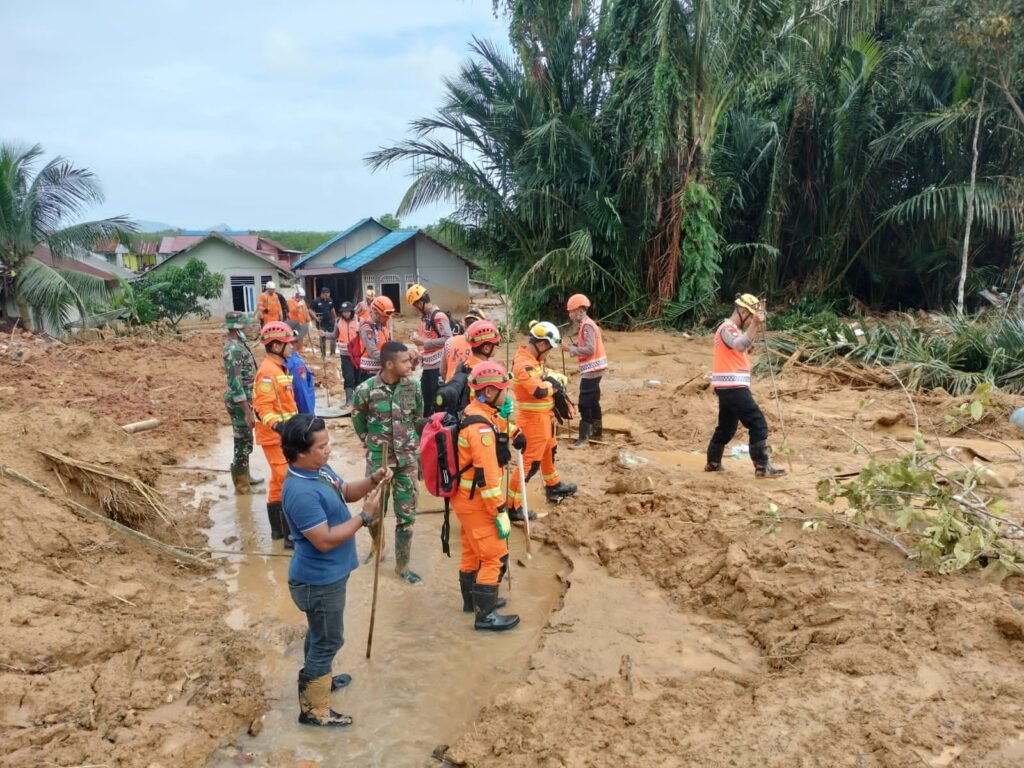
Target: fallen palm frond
{"type": "Point", "coordinates": [955, 353]}
{"type": "Point", "coordinates": [125, 499]}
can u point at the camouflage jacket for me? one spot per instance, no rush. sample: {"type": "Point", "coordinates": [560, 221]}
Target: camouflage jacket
{"type": "Point", "coordinates": [240, 368]}
{"type": "Point", "coordinates": [387, 414]}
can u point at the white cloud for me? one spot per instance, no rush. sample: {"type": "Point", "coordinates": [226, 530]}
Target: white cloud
{"type": "Point", "coordinates": [252, 113]}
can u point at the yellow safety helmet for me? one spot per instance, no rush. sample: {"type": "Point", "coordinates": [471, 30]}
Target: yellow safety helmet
{"type": "Point", "coordinates": [749, 302]}
{"type": "Point", "coordinates": [545, 331]}
{"type": "Point", "coordinates": [415, 293]}
{"type": "Point", "coordinates": [370, 294]}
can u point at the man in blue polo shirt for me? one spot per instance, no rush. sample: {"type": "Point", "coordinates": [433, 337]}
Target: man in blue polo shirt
{"type": "Point", "coordinates": [315, 504]}
{"type": "Point", "coordinates": [302, 376]}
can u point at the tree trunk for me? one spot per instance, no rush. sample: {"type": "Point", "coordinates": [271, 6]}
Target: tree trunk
{"type": "Point", "coordinates": [25, 312]}
{"type": "Point", "coordinates": [970, 210]}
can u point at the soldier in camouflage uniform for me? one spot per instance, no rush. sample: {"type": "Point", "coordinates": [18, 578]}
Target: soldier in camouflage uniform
{"type": "Point", "coordinates": [240, 368]}
{"type": "Point", "coordinates": [385, 408]}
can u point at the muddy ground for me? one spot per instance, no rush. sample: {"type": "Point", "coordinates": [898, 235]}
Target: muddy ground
{"type": "Point", "coordinates": [686, 635]}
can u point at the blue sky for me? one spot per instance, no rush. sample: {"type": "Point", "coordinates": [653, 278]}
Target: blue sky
{"type": "Point", "coordinates": [255, 114]}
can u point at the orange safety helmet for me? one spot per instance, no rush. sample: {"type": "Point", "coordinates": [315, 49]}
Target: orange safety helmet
{"type": "Point", "coordinates": [482, 332]}
{"type": "Point", "coordinates": [577, 301]}
{"type": "Point", "coordinates": [275, 330]}
{"type": "Point", "coordinates": [488, 374]}
{"type": "Point", "coordinates": [383, 305]}
{"type": "Point", "coordinates": [415, 293]}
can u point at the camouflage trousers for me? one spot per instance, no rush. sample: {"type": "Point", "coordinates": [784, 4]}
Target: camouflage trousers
{"type": "Point", "coordinates": [404, 490]}
{"type": "Point", "coordinates": [242, 434]}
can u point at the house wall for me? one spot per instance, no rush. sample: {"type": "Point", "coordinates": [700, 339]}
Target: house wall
{"type": "Point", "coordinates": [348, 245]}
{"type": "Point", "coordinates": [396, 266]}
{"type": "Point", "coordinates": [231, 262]}
{"type": "Point", "coordinates": [443, 274]}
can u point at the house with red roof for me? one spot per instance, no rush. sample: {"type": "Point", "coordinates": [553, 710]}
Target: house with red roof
{"type": "Point", "coordinates": [173, 244]}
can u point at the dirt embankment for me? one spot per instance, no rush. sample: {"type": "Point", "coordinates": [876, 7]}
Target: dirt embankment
{"type": "Point", "coordinates": [110, 653]}
{"type": "Point", "coordinates": [689, 637]}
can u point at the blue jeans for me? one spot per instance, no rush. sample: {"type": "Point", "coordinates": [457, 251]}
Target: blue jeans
{"type": "Point", "coordinates": [324, 606]}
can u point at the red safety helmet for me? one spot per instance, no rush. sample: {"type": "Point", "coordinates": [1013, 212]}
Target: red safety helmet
{"type": "Point", "coordinates": [488, 374]}
{"type": "Point", "coordinates": [482, 332]}
{"type": "Point", "coordinates": [275, 330]}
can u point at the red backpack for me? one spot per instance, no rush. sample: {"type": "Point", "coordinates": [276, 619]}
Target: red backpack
{"type": "Point", "coordinates": [355, 350]}
{"type": "Point", "coordinates": [439, 461]}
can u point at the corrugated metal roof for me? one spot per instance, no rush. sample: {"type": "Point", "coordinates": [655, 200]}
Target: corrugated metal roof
{"type": "Point", "coordinates": [323, 246]}
{"type": "Point", "coordinates": [375, 250]}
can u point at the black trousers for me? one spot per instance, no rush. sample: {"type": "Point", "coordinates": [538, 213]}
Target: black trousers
{"type": "Point", "coordinates": [323, 344]}
{"type": "Point", "coordinates": [590, 400]}
{"type": "Point", "coordinates": [429, 382]}
{"type": "Point", "coordinates": [736, 406]}
{"type": "Point", "coordinates": [348, 372]}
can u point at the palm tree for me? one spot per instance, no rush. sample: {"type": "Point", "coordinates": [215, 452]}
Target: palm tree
{"type": "Point", "coordinates": [35, 210]}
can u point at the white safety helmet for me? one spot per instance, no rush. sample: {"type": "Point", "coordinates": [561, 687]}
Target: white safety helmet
{"type": "Point", "coordinates": [300, 291]}
{"type": "Point", "coordinates": [270, 284]}
{"type": "Point", "coordinates": [545, 331]}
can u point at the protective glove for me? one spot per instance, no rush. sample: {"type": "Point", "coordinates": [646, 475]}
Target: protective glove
{"type": "Point", "coordinates": [278, 426]}
{"type": "Point", "coordinates": [503, 524]}
{"type": "Point", "coordinates": [505, 409]}
{"type": "Point", "coordinates": [519, 443]}
{"type": "Point", "coordinates": [555, 383]}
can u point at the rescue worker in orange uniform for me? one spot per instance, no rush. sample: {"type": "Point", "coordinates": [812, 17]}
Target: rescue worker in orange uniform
{"type": "Point", "coordinates": [456, 348]}
{"type": "Point", "coordinates": [433, 331]}
{"type": "Point", "coordinates": [730, 379]}
{"type": "Point", "coordinates": [363, 307]}
{"type": "Point", "coordinates": [534, 389]}
{"type": "Point", "coordinates": [483, 340]}
{"type": "Point", "coordinates": [299, 312]}
{"type": "Point", "coordinates": [273, 403]}
{"type": "Point", "coordinates": [271, 306]}
{"type": "Point", "coordinates": [374, 334]}
{"type": "Point", "coordinates": [588, 349]}
{"type": "Point", "coordinates": [483, 451]}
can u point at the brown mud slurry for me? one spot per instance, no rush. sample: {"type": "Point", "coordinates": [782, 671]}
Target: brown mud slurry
{"type": "Point", "coordinates": [684, 637]}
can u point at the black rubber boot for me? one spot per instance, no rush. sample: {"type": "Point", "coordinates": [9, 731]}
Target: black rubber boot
{"type": "Point", "coordinates": [762, 464]}
{"type": "Point", "coordinates": [767, 471]}
{"type": "Point", "coordinates": [714, 467]}
{"type": "Point", "coordinates": [275, 516]}
{"type": "Point", "coordinates": [314, 702]}
{"type": "Point", "coordinates": [560, 491]}
{"type": "Point", "coordinates": [485, 600]}
{"type": "Point", "coordinates": [466, 582]}
{"type": "Point", "coordinates": [598, 432]}
{"type": "Point", "coordinates": [584, 439]}
{"type": "Point", "coordinates": [515, 514]}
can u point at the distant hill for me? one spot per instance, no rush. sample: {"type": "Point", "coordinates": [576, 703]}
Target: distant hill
{"type": "Point", "coordinates": [219, 228]}
{"type": "Point", "coordinates": [298, 241]}
{"type": "Point", "coordinates": [144, 225]}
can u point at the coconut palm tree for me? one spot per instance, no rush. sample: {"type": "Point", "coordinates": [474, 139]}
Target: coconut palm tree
{"type": "Point", "coordinates": [39, 209]}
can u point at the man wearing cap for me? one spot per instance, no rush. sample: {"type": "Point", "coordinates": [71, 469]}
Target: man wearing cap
{"type": "Point", "coordinates": [271, 306]}
{"type": "Point", "coordinates": [240, 368]}
{"type": "Point", "coordinates": [323, 311]}
{"type": "Point", "coordinates": [730, 379]}
{"type": "Point", "coordinates": [299, 312]}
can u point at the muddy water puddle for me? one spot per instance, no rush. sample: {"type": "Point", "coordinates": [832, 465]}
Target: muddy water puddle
{"type": "Point", "coordinates": [430, 673]}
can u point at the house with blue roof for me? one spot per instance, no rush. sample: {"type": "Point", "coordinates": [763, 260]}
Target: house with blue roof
{"type": "Point", "coordinates": [371, 256]}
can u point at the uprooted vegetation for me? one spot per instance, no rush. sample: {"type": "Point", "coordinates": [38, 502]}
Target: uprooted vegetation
{"type": "Point", "coordinates": [957, 354]}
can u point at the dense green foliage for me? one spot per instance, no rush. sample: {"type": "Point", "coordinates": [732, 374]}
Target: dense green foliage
{"type": "Point", "coordinates": [661, 155]}
{"type": "Point", "coordinates": [297, 240]}
{"type": "Point", "coordinates": [174, 293]}
{"type": "Point", "coordinates": [39, 209]}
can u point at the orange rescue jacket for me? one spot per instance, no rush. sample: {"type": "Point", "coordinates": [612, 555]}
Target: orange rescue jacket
{"type": "Point", "coordinates": [729, 367]}
{"type": "Point", "coordinates": [456, 352]}
{"type": "Point", "coordinates": [345, 331]}
{"type": "Point", "coordinates": [298, 311]}
{"type": "Point", "coordinates": [478, 453]}
{"type": "Point", "coordinates": [532, 393]}
{"type": "Point", "coordinates": [598, 361]}
{"type": "Point", "coordinates": [269, 307]}
{"type": "Point", "coordinates": [273, 400]}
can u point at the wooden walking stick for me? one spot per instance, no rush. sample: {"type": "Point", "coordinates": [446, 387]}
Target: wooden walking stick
{"type": "Point", "coordinates": [386, 491]}
{"type": "Point", "coordinates": [323, 368]}
{"type": "Point", "coordinates": [566, 375]}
